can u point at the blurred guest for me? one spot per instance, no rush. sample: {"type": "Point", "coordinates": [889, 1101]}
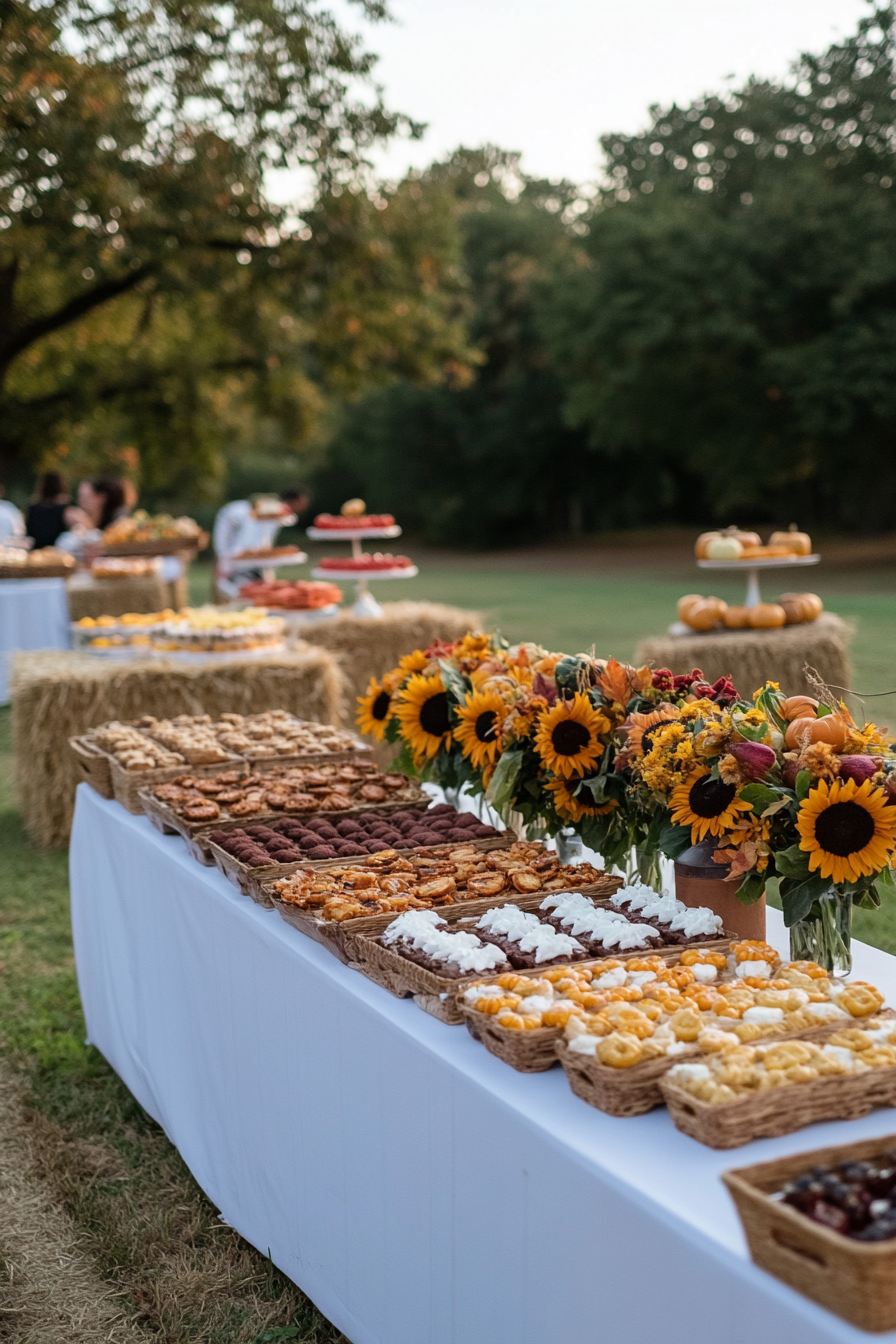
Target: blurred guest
{"type": "Point", "coordinates": [244, 525]}
{"type": "Point", "coordinates": [51, 511]}
{"type": "Point", "coordinates": [102, 500]}
{"type": "Point", "coordinates": [12, 524]}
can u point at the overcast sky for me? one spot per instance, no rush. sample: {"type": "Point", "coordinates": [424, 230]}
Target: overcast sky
{"type": "Point", "coordinates": [548, 78]}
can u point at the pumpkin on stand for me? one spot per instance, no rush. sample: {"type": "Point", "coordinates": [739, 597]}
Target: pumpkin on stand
{"type": "Point", "coordinates": [766, 616]}
{"type": "Point", "coordinates": [701, 613]}
{"type": "Point", "coordinates": [801, 607]}
{"type": "Point", "coordinates": [796, 543]}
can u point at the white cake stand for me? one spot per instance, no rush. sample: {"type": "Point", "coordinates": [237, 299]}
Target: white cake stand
{"type": "Point", "coordinates": [752, 567]}
{"type": "Point", "coordinates": [237, 564]}
{"type": "Point", "coordinates": [365, 603]}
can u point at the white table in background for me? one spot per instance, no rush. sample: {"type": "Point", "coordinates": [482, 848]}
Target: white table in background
{"type": "Point", "coordinates": [416, 1188]}
{"type": "Point", "coordinates": [33, 615]}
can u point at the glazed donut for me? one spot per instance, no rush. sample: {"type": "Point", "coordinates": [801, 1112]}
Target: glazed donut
{"type": "Point", "coordinates": [786, 1055]}
{"type": "Point", "coordinates": [686, 1024]}
{"type": "Point", "coordinates": [810, 968]}
{"type": "Point", "coordinates": [880, 1057]}
{"type": "Point", "coordinates": [559, 1014]}
{"type": "Point", "coordinates": [860, 999]}
{"type": "Point", "coordinates": [634, 1023]}
{"type": "Point", "coordinates": [711, 1042]}
{"type": "Point", "coordinates": [625, 994]}
{"type": "Point", "coordinates": [679, 976]}
{"type": "Point", "coordinates": [518, 1022]}
{"type": "Point", "coordinates": [753, 949]}
{"type": "Point", "coordinates": [510, 980]}
{"type": "Point", "coordinates": [853, 1038]}
{"type": "Point", "coordinates": [492, 1005]}
{"type": "Point", "coordinates": [619, 1050]}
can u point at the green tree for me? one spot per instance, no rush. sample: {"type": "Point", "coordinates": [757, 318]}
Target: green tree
{"type": "Point", "coordinates": [487, 460]}
{"type": "Point", "coordinates": [149, 292]}
{"type": "Point", "coordinates": [728, 327]}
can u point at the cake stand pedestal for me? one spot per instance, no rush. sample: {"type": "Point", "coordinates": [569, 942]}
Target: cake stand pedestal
{"type": "Point", "coordinates": [752, 567]}
{"type": "Point", "coordinates": [365, 603]}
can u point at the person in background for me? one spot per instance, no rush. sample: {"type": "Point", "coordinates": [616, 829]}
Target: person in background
{"type": "Point", "coordinates": [244, 525]}
{"type": "Point", "coordinates": [12, 524]}
{"type": "Point", "coordinates": [102, 500]}
{"type": "Point", "coordinates": [51, 511]}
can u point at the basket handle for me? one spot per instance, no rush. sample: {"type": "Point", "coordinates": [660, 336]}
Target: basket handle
{"type": "Point", "coordinates": [787, 1245]}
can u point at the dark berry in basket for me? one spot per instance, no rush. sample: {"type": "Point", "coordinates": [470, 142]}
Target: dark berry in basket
{"type": "Point", "coordinates": [348, 849]}
{"type": "Point", "coordinates": [315, 824]}
{"type": "Point", "coordinates": [482, 832]}
{"type": "Point", "coordinates": [852, 1198]}
{"type": "Point", "coordinates": [329, 833]}
{"type": "Point", "coordinates": [321, 852]}
{"type": "Point", "coordinates": [459, 833]}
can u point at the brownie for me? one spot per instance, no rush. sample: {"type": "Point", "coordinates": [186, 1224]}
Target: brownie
{"type": "Point", "coordinates": [524, 961]}
{"type": "Point", "coordinates": [593, 946]}
{"type": "Point", "coordinates": [447, 969]}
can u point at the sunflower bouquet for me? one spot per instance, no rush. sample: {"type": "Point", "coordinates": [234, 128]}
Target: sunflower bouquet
{"type": "Point", "coordinates": [797, 799]}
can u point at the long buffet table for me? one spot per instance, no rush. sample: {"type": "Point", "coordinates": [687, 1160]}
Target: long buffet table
{"type": "Point", "coordinates": [419, 1190]}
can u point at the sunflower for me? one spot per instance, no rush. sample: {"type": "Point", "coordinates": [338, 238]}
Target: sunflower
{"type": "Point", "coordinates": [709, 806]}
{"type": "Point", "coordinates": [567, 806]}
{"type": "Point", "coordinates": [479, 733]}
{"type": "Point", "coordinates": [413, 662]}
{"type": "Point", "coordinates": [848, 830]}
{"type": "Point", "coordinates": [568, 737]}
{"type": "Point", "coordinates": [374, 710]}
{"type": "Point", "coordinates": [423, 714]}
{"type": "Point", "coordinates": [639, 726]}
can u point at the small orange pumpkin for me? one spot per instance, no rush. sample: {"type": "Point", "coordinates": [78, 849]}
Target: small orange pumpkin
{"type": "Point", "coordinates": [799, 707]}
{"type": "Point", "coordinates": [801, 607]}
{"type": "Point", "coordinates": [797, 543]}
{"type": "Point", "coordinates": [736, 618]}
{"type": "Point", "coordinates": [705, 614]}
{"type": "Point", "coordinates": [767, 616]}
{"type": "Point", "coordinates": [831, 728]}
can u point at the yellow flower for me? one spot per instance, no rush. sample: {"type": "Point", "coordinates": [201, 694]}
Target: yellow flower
{"type": "Point", "coordinates": [641, 727]}
{"type": "Point", "coordinates": [413, 662]}
{"type": "Point", "coordinates": [847, 830]}
{"type": "Point", "coordinates": [423, 714]}
{"type": "Point", "coordinates": [729, 770]}
{"type": "Point", "coordinates": [570, 808]}
{"type": "Point", "coordinates": [709, 806]}
{"type": "Point", "coordinates": [479, 733]}
{"type": "Point", "coordinates": [374, 710]}
{"type": "Point", "coordinates": [820, 759]}
{"type": "Point", "coordinates": [523, 718]}
{"type": "Point", "coordinates": [670, 758]}
{"type": "Point", "coordinates": [568, 736]}
{"type": "Point", "coordinates": [699, 709]}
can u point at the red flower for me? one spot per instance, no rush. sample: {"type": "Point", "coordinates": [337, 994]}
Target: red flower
{"type": "Point", "coordinates": [439, 649]}
{"type": "Point", "coordinates": [663, 679]}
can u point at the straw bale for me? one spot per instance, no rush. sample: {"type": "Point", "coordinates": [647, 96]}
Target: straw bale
{"type": "Point", "coordinates": [56, 696]}
{"type": "Point", "coordinates": [752, 657]}
{"type": "Point", "coordinates": [367, 648]}
{"type": "Point", "coordinates": [88, 596]}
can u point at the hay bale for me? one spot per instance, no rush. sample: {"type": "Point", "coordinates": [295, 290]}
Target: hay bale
{"type": "Point", "coordinates": [752, 657]}
{"type": "Point", "coordinates": [88, 596]}
{"type": "Point", "coordinates": [56, 696]}
{"type": "Point", "coordinates": [367, 648]}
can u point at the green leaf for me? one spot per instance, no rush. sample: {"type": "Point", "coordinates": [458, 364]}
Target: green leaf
{"type": "Point", "coordinates": [753, 734]}
{"type": "Point", "coordinates": [885, 880]}
{"type": "Point", "coordinates": [868, 900]}
{"type": "Point", "coordinates": [752, 887]}
{"type": "Point", "coordinates": [500, 791]}
{"type": "Point", "coordinates": [453, 682]}
{"type": "Point", "coordinates": [792, 862]}
{"type": "Point", "coordinates": [823, 711]}
{"type": "Point", "coordinates": [772, 888]}
{"type": "Point", "coordinates": [759, 796]}
{"type": "Point", "coordinates": [799, 900]}
{"type": "Point", "coordinates": [803, 784]}
{"type": "Point", "coordinates": [673, 840]}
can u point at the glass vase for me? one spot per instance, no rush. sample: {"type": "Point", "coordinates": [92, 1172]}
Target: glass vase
{"type": "Point", "coordinates": [825, 935]}
{"type": "Point", "coordinates": [645, 865]}
{"type": "Point", "coordinates": [569, 846]}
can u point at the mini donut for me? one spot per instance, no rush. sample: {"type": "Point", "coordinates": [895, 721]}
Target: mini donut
{"type": "Point", "coordinates": [559, 1014]}
{"type": "Point", "coordinates": [787, 1054]}
{"type": "Point", "coordinates": [810, 968]}
{"type": "Point", "coordinates": [858, 999]}
{"type": "Point", "coordinates": [619, 1050]}
{"type": "Point", "coordinates": [853, 1038]}
{"type": "Point", "coordinates": [492, 1004]}
{"type": "Point", "coordinates": [201, 811]}
{"type": "Point", "coordinates": [686, 1024]}
{"type": "Point", "coordinates": [678, 976]}
{"type": "Point", "coordinates": [518, 1022]}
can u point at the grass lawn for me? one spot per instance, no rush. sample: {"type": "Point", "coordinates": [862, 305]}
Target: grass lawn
{"type": "Point", "coordinates": [181, 1275]}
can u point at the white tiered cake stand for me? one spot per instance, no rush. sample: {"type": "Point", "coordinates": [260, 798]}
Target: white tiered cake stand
{"type": "Point", "coordinates": [365, 603]}
{"type": "Point", "coordinates": [752, 567]}
{"type": "Point", "coordinates": [267, 564]}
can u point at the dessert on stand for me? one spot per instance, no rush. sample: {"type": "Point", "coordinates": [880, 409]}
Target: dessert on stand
{"type": "Point", "coordinates": [744, 553]}
{"type": "Point", "coordinates": [299, 601]}
{"type": "Point", "coordinates": [355, 525]}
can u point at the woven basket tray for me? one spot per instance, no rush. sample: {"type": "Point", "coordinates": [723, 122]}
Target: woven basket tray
{"type": "Point", "coordinates": [251, 880]}
{"type": "Point", "coordinates": [35, 572]}
{"type": "Point", "coordinates": [162, 546]}
{"type": "Point", "coordinates": [853, 1279]}
{"type": "Point", "coordinates": [780, 1110]}
{"type": "Point", "coordinates": [93, 765]}
{"type": "Point", "coordinates": [340, 937]}
{"type": "Point", "coordinates": [637, 1090]}
{"type": "Point", "coordinates": [130, 786]}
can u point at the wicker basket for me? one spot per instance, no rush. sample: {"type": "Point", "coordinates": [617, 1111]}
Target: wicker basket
{"type": "Point", "coordinates": [130, 786]}
{"type": "Point", "coordinates": [93, 765]}
{"type": "Point", "coordinates": [525, 1051]}
{"type": "Point", "coordinates": [637, 1090]}
{"type": "Point", "coordinates": [780, 1110]}
{"type": "Point", "coordinates": [340, 937]}
{"type": "Point", "coordinates": [161, 546]}
{"type": "Point", "coordinates": [36, 571]}
{"type": "Point", "coordinates": [855, 1280]}
{"type": "Point", "coordinates": [251, 880]}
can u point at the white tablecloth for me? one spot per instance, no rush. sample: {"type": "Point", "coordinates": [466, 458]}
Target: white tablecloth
{"type": "Point", "coordinates": [419, 1190]}
{"type": "Point", "coordinates": [33, 615]}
